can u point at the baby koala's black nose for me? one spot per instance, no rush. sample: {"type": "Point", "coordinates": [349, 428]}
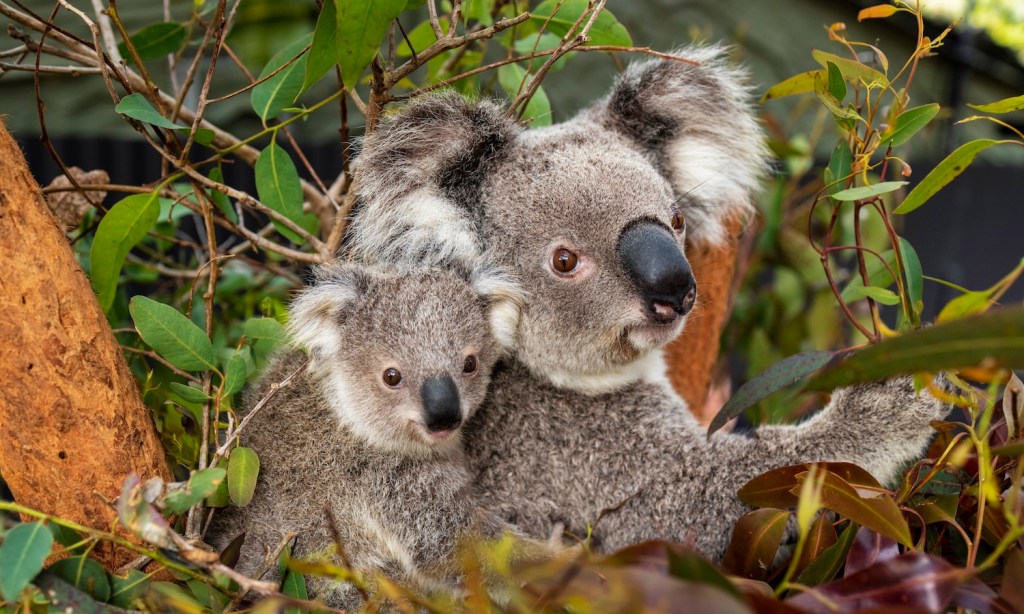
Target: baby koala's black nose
{"type": "Point", "coordinates": [654, 261]}
{"type": "Point", "coordinates": [440, 404]}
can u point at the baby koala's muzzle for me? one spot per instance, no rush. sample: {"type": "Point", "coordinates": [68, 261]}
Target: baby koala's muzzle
{"type": "Point", "coordinates": [441, 411]}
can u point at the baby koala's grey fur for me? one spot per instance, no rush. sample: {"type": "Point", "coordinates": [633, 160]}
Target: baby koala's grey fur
{"type": "Point", "coordinates": [580, 418]}
{"type": "Point", "coordinates": [338, 438]}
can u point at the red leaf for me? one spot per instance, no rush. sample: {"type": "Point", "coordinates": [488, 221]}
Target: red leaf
{"type": "Point", "coordinates": [913, 580]}
{"type": "Point", "coordinates": [755, 540]}
{"type": "Point", "coordinates": [821, 537]}
{"type": "Point", "coordinates": [869, 548]}
{"type": "Point", "coordinates": [880, 514]}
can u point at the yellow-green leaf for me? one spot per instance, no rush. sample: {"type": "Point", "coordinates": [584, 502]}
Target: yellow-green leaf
{"type": "Point", "coordinates": [945, 172]}
{"type": "Point", "coordinates": [243, 469]}
{"type": "Point", "coordinates": [1006, 105]}
{"type": "Point", "coordinates": [277, 93]}
{"type": "Point", "coordinates": [908, 123]}
{"type": "Point", "coordinates": [867, 191]}
{"type": "Point", "coordinates": [278, 186]}
{"type": "Point", "coordinates": [852, 70]}
{"type": "Point", "coordinates": [797, 84]}
{"type": "Point", "coordinates": [323, 51]}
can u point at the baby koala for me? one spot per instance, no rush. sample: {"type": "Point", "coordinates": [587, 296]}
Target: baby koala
{"type": "Point", "coordinates": [399, 361]}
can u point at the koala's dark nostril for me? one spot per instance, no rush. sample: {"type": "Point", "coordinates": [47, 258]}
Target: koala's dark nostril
{"type": "Point", "coordinates": [654, 261]}
{"type": "Point", "coordinates": [441, 411]}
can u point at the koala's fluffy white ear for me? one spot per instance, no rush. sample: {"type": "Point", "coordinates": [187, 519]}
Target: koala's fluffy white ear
{"type": "Point", "coordinates": [505, 299]}
{"type": "Point", "coordinates": [695, 122]}
{"type": "Point", "coordinates": [316, 311]}
{"type": "Point", "coordinates": [418, 181]}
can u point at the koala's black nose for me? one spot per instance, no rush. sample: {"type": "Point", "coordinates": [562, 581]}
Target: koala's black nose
{"type": "Point", "coordinates": [656, 264]}
{"type": "Point", "coordinates": [440, 404]}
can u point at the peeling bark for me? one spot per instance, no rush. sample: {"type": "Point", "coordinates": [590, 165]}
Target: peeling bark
{"type": "Point", "coordinates": [72, 420]}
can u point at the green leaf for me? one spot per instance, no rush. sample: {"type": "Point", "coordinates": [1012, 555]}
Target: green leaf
{"type": "Point", "coordinates": [538, 110]}
{"type": "Point", "coordinates": [294, 585]}
{"type": "Point", "coordinates": [220, 199]}
{"type": "Point", "coordinates": [824, 568]}
{"type": "Point", "coordinates": [278, 186]}
{"type": "Point", "coordinates": [882, 295]}
{"type": "Point", "coordinates": [172, 335]}
{"type": "Point", "coordinates": [84, 574]}
{"type": "Point", "coordinates": [968, 304]}
{"type": "Point", "coordinates": [797, 84]}
{"type": "Point", "coordinates": [124, 591]}
{"type": "Point", "coordinates": [219, 497]}
{"type": "Point", "coordinates": [124, 225]}
{"type": "Point", "coordinates": [22, 554]}
{"type": "Point", "coordinates": [272, 96]}
{"type": "Point", "coordinates": [946, 171]}
{"type": "Point", "coordinates": [867, 191]}
{"type": "Point", "coordinates": [323, 54]}
{"type": "Point", "coordinates": [836, 84]}
{"type": "Point", "coordinates": [200, 485]}
{"type": "Point", "coordinates": [914, 275]}
{"type": "Point", "coordinates": [67, 537]}
{"type": "Point", "coordinates": [265, 328]}
{"type": "Point", "coordinates": [606, 30]}
{"type": "Point", "coordinates": [996, 336]}
{"type": "Point", "coordinates": [188, 393]}
{"type": "Point", "coordinates": [878, 277]}
{"type": "Point", "coordinates": [137, 107]}
{"type": "Point", "coordinates": [852, 70]}
{"type": "Point", "coordinates": [839, 165]}
{"type": "Point", "coordinates": [155, 40]}
{"type": "Point", "coordinates": [362, 25]}
{"type": "Point", "coordinates": [776, 377]}
{"type": "Point", "coordinates": [827, 99]}
{"type": "Point", "coordinates": [908, 123]}
{"type": "Point", "coordinates": [234, 375]}
{"type": "Point", "coordinates": [1006, 105]}
{"type": "Point", "coordinates": [243, 469]}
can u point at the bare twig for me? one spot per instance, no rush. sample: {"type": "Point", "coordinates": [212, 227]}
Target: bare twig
{"type": "Point", "coordinates": [74, 71]}
{"type": "Point", "coordinates": [103, 22]}
{"type": "Point", "coordinates": [435, 23]}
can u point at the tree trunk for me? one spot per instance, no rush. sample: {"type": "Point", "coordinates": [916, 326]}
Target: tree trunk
{"type": "Point", "coordinates": [72, 420]}
{"type": "Point", "coordinates": [692, 358]}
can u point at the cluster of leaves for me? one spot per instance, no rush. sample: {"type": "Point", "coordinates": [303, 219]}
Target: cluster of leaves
{"type": "Point", "coordinates": [219, 260]}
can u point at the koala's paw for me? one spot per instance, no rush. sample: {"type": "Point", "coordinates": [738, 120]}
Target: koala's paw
{"type": "Point", "coordinates": [894, 401]}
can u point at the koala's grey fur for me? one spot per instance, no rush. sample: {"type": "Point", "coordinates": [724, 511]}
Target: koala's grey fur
{"type": "Point", "coordinates": [580, 418]}
{"type": "Point", "coordinates": [338, 438]}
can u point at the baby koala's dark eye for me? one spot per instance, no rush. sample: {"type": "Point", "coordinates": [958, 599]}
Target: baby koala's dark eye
{"type": "Point", "coordinates": [564, 261]}
{"type": "Point", "coordinates": [392, 377]}
{"type": "Point", "coordinates": [678, 221]}
{"type": "Point", "coordinates": [469, 365]}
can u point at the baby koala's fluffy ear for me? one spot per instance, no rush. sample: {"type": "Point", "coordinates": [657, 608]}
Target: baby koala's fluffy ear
{"type": "Point", "coordinates": [695, 122]}
{"type": "Point", "coordinates": [318, 310]}
{"type": "Point", "coordinates": [505, 300]}
{"type": "Point", "coordinates": [418, 181]}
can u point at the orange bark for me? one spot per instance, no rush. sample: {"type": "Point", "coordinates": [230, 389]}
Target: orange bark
{"type": "Point", "coordinates": [72, 420]}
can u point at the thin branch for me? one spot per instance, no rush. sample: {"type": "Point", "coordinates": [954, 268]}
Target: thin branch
{"type": "Point", "coordinates": [435, 23]}
{"type": "Point", "coordinates": [74, 71]}
{"type": "Point", "coordinates": [109, 42]}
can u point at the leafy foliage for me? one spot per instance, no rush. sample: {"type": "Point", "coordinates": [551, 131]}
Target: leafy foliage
{"type": "Point", "coordinates": [193, 271]}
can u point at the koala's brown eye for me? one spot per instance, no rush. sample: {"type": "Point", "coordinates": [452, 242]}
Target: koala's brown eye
{"type": "Point", "coordinates": [678, 221]}
{"type": "Point", "coordinates": [469, 365]}
{"type": "Point", "coordinates": [564, 261]}
{"type": "Point", "coordinates": [392, 377]}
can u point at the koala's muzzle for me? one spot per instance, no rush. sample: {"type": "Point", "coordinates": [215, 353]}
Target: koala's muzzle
{"type": "Point", "coordinates": [441, 410]}
{"type": "Point", "coordinates": [656, 264]}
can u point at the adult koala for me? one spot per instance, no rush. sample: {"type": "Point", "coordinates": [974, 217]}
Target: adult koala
{"type": "Point", "coordinates": [590, 216]}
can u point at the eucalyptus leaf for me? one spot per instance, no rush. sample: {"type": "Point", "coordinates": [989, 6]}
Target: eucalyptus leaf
{"type": "Point", "coordinates": [123, 226]}
{"type": "Point", "coordinates": [243, 469]}
{"type": "Point", "coordinates": [323, 51]}
{"type": "Point", "coordinates": [172, 335]}
{"type": "Point", "coordinates": [265, 328]}
{"type": "Point", "coordinates": [780, 375]}
{"type": "Point", "coordinates": [155, 41]}
{"type": "Point", "coordinates": [362, 25]}
{"type": "Point", "coordinates": [908, 123]}
{"type": "Point", "coordinates": [272, 96]}
{"type": "Point", "coordinates": [996, 336]}
{"type": "Point", "coordinates": [868, 191]}
{"type": "Point", "coordinates": [234, 375]}
{"type": "Point", "coordinates": [945, 172]}
{"type": "Point", "coordinates": [1006, 105]}
{"type": "Point", "coordinates": [560, 15]}
{"type": "Point", "coordinates": [538, 109]}
{"type": "Point", "coordinates": [84, 574]}
{"type": "Point", "coordinates": [22, 554]}
{"type": "Point", "coordinates": [797, 84]}
{"type": "Point", "coordinates": [136, 106]}
{"type": "Point", "coordinates": [278, 186]}
{"type": "Point", "coordinates": [188, 393]}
